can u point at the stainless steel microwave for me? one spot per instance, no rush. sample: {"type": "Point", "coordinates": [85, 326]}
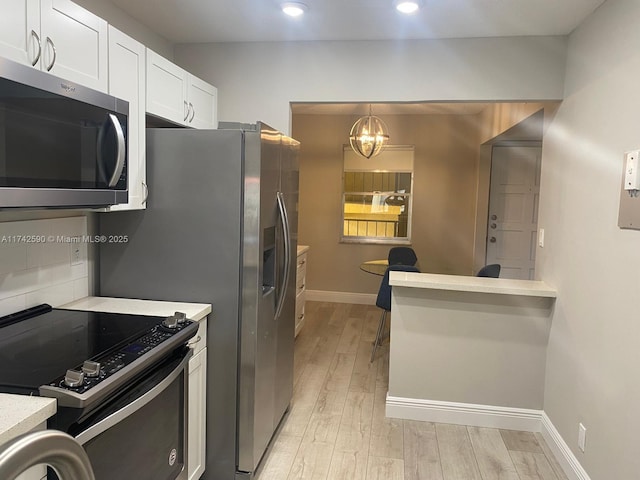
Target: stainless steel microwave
{"type": "Point", "coordinates": [62, 145]}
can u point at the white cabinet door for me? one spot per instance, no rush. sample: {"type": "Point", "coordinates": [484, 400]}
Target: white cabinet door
{"type": "Point", "coordinates": [74, 43]}
{"type": "Point", "coordinates": [196, 442]}
{"type": "Point", "coordinates": [176, 95]}
{"type": "Point", "coordinates": [202, 99]}
{"type": "Point", "coordinates": [127, 73]}
{"type": "Point", "coordinates": [166, 89]}
{"type": "Point", "coordinates": [20, 31]}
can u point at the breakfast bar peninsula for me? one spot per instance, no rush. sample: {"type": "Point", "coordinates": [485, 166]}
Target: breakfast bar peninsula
{"type": "Point", "coordinates": [468, 350]}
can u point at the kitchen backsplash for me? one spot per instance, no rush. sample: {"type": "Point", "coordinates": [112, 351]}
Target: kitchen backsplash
{"type": "Point", "coordinates": [43, 261]}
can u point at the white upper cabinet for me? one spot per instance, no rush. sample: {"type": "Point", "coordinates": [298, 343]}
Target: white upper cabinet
{"type": "Point", "coordinates": [57, 36]}
{"type": "Point", "coordinates": [166, 89]}
{"type": "Point", "coordinates": [127, 74]}
{"type": "Point", "coordinates": [176, 95]}
{"type": "Point", "coordinates": [74, 43]}
{"type": "Point", "coordinates": [20, 31]}
{"type": "Point", "coordinates": [203, 103]}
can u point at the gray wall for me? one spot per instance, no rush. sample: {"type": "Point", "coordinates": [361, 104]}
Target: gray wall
{"type": "Point", "coordinates": [593, 362]}
{"type": "Point", "coordinates": [128, 25]}
{"type": "Point", "coordinates": [256, 81]}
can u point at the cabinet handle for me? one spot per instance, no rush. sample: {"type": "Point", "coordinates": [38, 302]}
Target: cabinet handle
{"type": "Point", "coordinates": [35, 35]}
{"type": "Point", "coordinates": [301, 316]}
{"type": "Point", "coordinates": [146, 192]}
{"type": "Point", "coordinates": [193, 112]}
{"type": "Point", "coordinates": [196, 340]}
{"type": "Point", "coordinates": [186, 108]}
{"type": "Point", "coordinates": [302, 263]}
{"type": "Point", "coordinates": [55, 54]}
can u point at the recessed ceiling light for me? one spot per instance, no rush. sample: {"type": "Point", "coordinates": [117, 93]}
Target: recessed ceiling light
{"type": "Point", "coordinates": [407, 6]}
{"type": "Point", "coordinates": [294, 9]}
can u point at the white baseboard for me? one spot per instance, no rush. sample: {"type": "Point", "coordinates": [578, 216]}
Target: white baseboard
{"type": "Point", "coordinates": [567, 460]}
{"type": "Point", "coordinates": [526, 420]}
{"type": "Point", "coordinates": [493, 417]}
{"type": "Point", "coordinates": [340, 297]}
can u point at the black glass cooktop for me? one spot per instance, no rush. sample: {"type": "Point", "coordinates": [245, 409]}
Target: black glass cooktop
{"type": "Point", "coordinates": [38, 349]}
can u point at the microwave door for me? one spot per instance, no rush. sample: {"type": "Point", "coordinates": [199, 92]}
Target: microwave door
{"type": "Point", "coordinates": [111, 151]}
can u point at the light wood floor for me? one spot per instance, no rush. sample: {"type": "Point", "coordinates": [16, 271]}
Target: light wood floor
{"type": "Point", "coordinates": [336, 428]}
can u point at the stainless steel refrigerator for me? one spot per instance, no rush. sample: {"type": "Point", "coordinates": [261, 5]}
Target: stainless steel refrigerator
{"type": "Point", "coordinates": [220, 227]}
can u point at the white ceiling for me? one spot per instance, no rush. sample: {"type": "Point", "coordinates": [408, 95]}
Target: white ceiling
{"type": "Point", "coordinates": [196, 21]}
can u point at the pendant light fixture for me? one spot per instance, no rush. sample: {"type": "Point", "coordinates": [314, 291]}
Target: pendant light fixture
{"type": "Point", "coordinates": [368, 135]}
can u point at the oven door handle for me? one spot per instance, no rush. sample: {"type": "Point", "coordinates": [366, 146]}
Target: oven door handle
{"type": "Point", "coordinates": [134, 406]}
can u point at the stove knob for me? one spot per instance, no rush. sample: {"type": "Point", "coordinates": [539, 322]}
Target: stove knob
{"type": "Point", "coordinates": [91, 369]}
{"type": "Point", "coordinates": [181, 316]}
{"type": "Point", "coordinates": [73, 378]}
{"type": "Point", "coordinates": [170, 322]}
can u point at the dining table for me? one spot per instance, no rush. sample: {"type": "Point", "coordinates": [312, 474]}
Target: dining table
{"type": "Point", "coordinates": [375, 267]}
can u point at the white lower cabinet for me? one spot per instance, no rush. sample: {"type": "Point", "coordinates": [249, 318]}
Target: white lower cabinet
{"type": "Point", "coordinates": [301, 274]}
{"type": "Point", "coordinates": [197, 418]}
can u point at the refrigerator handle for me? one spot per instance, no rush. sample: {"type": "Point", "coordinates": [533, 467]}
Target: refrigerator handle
{"type": "Point", "coordinates": [284, 218]}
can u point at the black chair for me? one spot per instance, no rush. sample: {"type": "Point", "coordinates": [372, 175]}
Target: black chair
{"type": "Point", "coordinates": [402, 256]}
{"type": "Point", "coordinates": [492, 270]}
{"type": "Point", "coordinates": [384, 300]}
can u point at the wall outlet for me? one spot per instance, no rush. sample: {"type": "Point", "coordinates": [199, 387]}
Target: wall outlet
{"type": "Point", "coordinates": [76, 255]}
{"type": "Point", "coordinates": [582, 436]}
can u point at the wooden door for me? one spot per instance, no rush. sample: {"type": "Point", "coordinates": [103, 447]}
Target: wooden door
{"type": "Point", "coordinates": [513, 210]}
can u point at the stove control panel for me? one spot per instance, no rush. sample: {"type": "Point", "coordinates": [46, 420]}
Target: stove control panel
{"type": "Point", "coordinates": [92, 372]}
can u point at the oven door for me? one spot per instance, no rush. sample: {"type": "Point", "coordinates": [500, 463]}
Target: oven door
{"type": "Point", "coordinates": [141, 433]}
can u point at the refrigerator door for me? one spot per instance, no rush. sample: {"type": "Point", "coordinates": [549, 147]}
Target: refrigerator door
{"type": "Point", "coordinates": [257, 348]}
{"type": "Point", "coordinates": [261, 366]}
{"type": "Point", "coordinates": [286, 321]}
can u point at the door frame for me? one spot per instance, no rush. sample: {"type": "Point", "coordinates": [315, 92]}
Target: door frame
{"type": "Point", "coordinates": [483, 194]}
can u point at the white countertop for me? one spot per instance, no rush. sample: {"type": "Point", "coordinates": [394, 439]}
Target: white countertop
{"type": "Point", "coordinates": [20, 414]}
{"type": "Point", "coordinates": [462, 283]}
{"type": "Point", "coordinates": [194, 311]}
{"type": "Point", "coordinates": [302, 249]}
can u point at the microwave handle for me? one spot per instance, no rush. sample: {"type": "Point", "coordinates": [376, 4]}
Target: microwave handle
{"type": "Point", "coordinates": [121, 150]}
